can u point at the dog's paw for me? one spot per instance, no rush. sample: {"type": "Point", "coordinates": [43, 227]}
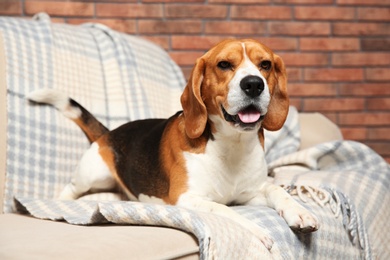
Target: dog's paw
{"type": "Point", "coordinates": [300, 219]}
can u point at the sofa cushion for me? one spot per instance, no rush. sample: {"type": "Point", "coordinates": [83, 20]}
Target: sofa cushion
{"type": "Point", "coordinates": [23, 237]}
{"type": "Point", "coordinates": [315, 129]}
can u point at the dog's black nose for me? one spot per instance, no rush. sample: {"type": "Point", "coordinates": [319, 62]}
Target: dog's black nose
{"type": "Point", "coordinates": [252, 86]}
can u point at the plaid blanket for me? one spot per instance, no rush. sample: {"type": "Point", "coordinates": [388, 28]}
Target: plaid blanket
{"type": "Point", "coordinates": [344, 183]}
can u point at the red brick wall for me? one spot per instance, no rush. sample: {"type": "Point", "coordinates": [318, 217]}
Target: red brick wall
{"type": "Point", "coordinates": [337, 51]}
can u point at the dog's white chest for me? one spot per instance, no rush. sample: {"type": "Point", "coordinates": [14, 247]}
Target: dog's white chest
{"type": "Point", "coordinates": [230, 171]}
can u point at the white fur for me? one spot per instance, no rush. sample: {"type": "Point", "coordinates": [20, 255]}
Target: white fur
{"type": "Point", "coordinates": [57, 99]}
{"type": "Point", "coordinates": [226, 172]}
{"type": "Point", "coordinates": [231, 171]}
{"type": "Point", "coordinates": [150, 199]}
{"type": "Point", "coordinates": [92, 174]}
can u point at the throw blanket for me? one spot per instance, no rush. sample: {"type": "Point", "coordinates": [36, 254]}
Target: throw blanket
{"type": "Point", "coordinates": [344, 183]}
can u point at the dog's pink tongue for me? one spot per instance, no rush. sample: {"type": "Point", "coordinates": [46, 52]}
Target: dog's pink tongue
{"type": "Point", "coordinates": [249, 116]}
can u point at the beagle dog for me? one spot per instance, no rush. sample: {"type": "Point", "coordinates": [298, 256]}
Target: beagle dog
{"type": "Point", "coordinates": [205, 157]}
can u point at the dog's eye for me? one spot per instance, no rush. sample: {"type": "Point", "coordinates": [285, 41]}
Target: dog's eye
{"type": "Point", "coordinates": [224, 65]}
{"type": "Point", "coordinates": [265, 65]}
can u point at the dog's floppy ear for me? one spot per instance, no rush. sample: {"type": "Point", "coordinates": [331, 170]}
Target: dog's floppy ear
{"type": "Point", "coordinates": [278, 107]}
{"type": "Point", "coordinates": [195, 113]}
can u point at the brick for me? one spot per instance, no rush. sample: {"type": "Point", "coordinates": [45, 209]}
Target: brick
{"type": "Point", "coordinates": [312, 89]}
{"type": "Point", "coordinates": [238, 1]}
{"type": "Point", "coordinates": [329, 44]}
{"type": "Point", "coordinates": [379, 133]}
{"type": "Point", "coordinates": [335, 74]}
{"type": "Point", "coordinates": [169, 27]}
{"type": "Point", "coordinates": [186, 71]}
{"type": "Point", "coordinates": [129, 10]}
{"type": "Point", "coordinates": [369, 29]}
{"type": "Point", "coordinates": [294, 74]}
{"type": "Point", "coordinates": [374, 14]}
{"type": "Point", "coordinates": [11, 8]}
{"type": "Point", "coordinates": [354, 133]}
{"type": "Point", "coordinates": [323, 13]}
{"type": "Point", "coordinates": [296, 102]}
{"type": "Point", "coordinates": [257, 12]}
{"type": "Point", "coordinates": [59, 8]}
{"type": "Point", "coordinates": [364, 119]}
{"type": "Point", "coordinates": [361, 59]}
{"type": "Point", "coordinates": [378, 104]}
{"type": "Point", "coordinates": [331, 116]}
{"type": "Point", "coordinates": [58, 20]}
{"type": "Point", "coordinates": [381, 44]}
{"type": "Point", "coordinates": [180, 42]}
{"type": "Point", "coordinates": [126, 26]}
{"type": "Point", "coordinates": [334, 104]}
{"type": "Point", "coordinates": [170, 1]}
{"type": "Point", "coordinates": [195, 11]}
{"type": "Point", "coordinates": [299, 28]}
{"type": "Point", "coordinates": [362, 2]}
{"type": "Point", "coordinates": [279, 44]}
{"type": "Point", "coordinates": [377, 74]}
{"type": "Point", "coordinates": [115, 1]}
{"type": "Point", "coordinates": [305, 59]}
{"type": "Point", "coordinates": [162, 41]}
{"type": "Point", "coordinates": [185, 58]}
{"type": "Point", "coordinates": [234, 28]}
{"type": "Point", "coordinates": [313, 2]}
{"type": "Point", "coordinates": [381, 148]}
{"type": "Point", "coordinates": [364, 89]}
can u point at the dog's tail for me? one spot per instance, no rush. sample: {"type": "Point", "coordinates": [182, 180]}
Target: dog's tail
{"type": "Point", "coordinates": [91, 127]}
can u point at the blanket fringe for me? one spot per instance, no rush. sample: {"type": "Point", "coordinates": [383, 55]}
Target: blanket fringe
{"type": "Point", "coordinates": [340, 205]}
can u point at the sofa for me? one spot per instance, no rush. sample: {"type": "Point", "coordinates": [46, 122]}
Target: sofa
{"type": "Point", "coordinates": [120, 78]}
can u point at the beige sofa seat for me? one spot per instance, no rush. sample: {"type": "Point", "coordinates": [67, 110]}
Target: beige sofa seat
{"type": "Point", "coordinates": [23, 237]}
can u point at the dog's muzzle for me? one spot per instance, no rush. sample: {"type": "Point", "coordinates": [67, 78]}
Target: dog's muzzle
{"type": "Point", "coordinates": [250, 115]}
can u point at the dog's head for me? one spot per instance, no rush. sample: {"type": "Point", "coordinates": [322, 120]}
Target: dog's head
{"type": "Point", "coordinates": [237, 85]}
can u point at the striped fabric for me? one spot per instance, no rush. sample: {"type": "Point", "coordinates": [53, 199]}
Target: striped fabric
{"type": "Point", "coordinates": [121, 78]}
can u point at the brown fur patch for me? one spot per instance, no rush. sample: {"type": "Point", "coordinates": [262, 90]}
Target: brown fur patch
{"type": "Point", "coordinates": [174, 143]}
{"type": "Point", "coordinates": [91, 127]}
{"type": "Point", "coordinates": [261, 137]}
{"type": "Point", "coordinates": [86, 129]}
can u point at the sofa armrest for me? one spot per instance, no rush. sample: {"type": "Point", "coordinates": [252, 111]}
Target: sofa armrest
{"type": "Point", "coordinates": [316, 128]}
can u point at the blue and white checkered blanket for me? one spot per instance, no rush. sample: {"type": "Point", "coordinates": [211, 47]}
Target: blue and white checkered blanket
{"type": "Point", "coordinates": [344, 183]}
